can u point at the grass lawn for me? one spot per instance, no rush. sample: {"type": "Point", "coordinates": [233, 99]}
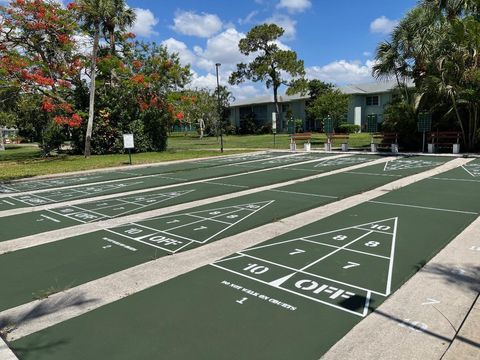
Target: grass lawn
{"type": "Point", "coordinates": [26, 161]}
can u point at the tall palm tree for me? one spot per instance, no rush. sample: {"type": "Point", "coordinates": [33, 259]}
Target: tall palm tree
{"type": "Point", "coordinates": [120, 17]}
{"type": "Point", "coordinates": [100, 15]}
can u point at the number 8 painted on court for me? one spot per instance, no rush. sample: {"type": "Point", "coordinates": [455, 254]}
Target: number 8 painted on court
{"type": "Point", "coordinates": [340, 237]}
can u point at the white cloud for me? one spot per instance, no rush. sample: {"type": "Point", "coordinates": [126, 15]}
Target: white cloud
{"type": "Point", "coordinates": [208, 81]}
{"type": "Point", "coordinates": [247, 91]}
{"type": "Point", "coordinates": [367, 53]}
{"type": "Point", "coordinates": [144, 23]}
{"type": "Point", "coordinates": [342, 72]}
{"type": "Point", "coordinates": [176, 46]}
{"type": "Point", "coordinates": [222, 48]}
{"type": "Point", "coordinates": [201, 25]}
{"type": "Point", "coordinates": [383, 25]}
{"type": "Point", "coordinates": [285, 22]}
{"type": "Point", "coordinates": [294, 5]}
{"type": "Point", "coordinates": [248, 18]}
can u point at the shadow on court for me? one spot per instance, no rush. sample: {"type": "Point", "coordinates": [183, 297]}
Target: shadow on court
{"type": "Point", "coordinates": [45, 307]}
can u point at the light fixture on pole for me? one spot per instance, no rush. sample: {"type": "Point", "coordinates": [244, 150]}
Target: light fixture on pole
{"type": "Point", "coordinates": [220, 120]}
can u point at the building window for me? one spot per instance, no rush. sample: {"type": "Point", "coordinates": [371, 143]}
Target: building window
{"type": "Point", "coordinates": [285, 108]}
{"type": "Point", "coordinates": [373, 100]}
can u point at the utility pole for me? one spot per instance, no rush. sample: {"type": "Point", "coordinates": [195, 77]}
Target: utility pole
{"type": "Point", "coordinates": [217, 65]}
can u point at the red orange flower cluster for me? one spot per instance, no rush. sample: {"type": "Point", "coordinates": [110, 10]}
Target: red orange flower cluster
{"type": "Point", "coordinates": [73, 121]}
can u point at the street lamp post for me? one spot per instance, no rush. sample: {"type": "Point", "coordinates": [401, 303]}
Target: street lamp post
{"type": "Point", "coordinates": [217, 65]}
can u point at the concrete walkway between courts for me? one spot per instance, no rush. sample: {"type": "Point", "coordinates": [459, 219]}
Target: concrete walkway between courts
{"type": "Point", "coordinates": [5, 352]}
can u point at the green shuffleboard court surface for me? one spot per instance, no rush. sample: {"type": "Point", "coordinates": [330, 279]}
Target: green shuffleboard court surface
{"type": "Point", "coordinates": [11, 187]}
{"type": "Point", "coordinates": [20, 225]}
{"type": "Point", "coordinates": [184, 173]}
{"type": "Point", "coordinates": [27, 273]}
{"type": "Point", "coordinates": [291, 297]}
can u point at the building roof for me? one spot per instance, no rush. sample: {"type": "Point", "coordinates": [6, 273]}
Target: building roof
{"type": "Point", "coordinates": [269, 99]}
{"type": "Point", "coordinates": [372, 88]}
{"type": "Point", "coordinates": [353, 89]}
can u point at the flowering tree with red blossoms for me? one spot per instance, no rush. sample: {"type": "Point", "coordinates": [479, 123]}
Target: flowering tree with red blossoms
{"type": "Point", "coordinates": [38, 57]}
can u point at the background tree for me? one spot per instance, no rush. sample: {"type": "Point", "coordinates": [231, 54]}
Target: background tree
{"type": "Point", "coordinates": [98, 15]}
{"type": "Point", "coordinates": [331, 102]}
{"type": "Point", "coordinates": [272, 65]}
{"type": "Point", "coordinates": [437, 44]}
{"type": "Point", "coordinates": [38, 62]}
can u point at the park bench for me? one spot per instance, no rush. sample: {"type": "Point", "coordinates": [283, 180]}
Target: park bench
{"type": "Point", "coordinates": [384, 141]}
{"type": "Point", "coordinates": [306, 137]}
{"type": "Point", "coordinates": [335, 138]}
{"type": "Point", "coordinates": [444, 139]}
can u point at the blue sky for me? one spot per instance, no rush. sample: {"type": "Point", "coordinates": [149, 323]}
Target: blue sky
{"type": "Point", "coordinates": [335, 38]}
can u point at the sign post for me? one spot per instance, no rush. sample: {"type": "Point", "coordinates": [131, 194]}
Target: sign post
{"type": "Point", "coordinates": [424, 125]}
{"type": "Point", "coordinates": [129, 145]}
{"type": "Point", "coordinates": [328, 128]}
{"type": "Point", "coordinates": [274, 126]}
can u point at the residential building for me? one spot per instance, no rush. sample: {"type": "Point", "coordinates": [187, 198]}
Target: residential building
{"type": "Point", "coordinates": [366, 101]}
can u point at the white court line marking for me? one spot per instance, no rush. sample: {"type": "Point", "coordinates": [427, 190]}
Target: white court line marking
{"type": "Point", "coordinates": [423, 207]}
{"type": "Point", "coordinates": [69, 216]}
{"type": "Point", "coordinates": [50, 218]}
{"type": "Point", "coordinates": [291, 291]}
{"type": "Point", "coordinates": [229, 258]}
{"type": "Point", "coordinates": [352, 250]}
{"type": "Point", "coordinates": [465, 168]}
{"type": "Point", "coordinates": [335, 251]}
{"type": "Point", "coordinates": [204, 218]}
{"type": "Point", "coordinates": [190, 223]}
{"type": "Point", "coordinates": [320, 234]}
{"type": "Point", "coordinates": [367, 304]}
{"type": "Point", "coordinates": [312, 274]}
{"type": "Point", "coordinates": [172, 178]}
{"type": "Point", "coordinates": [452, 179]}
{"type": "Point", "coordinates": [376, 231]}
{"type": "Point", "coordinates": [230, 185]}
{"type": "Point", "coordinates": [372, 174]}
{"type": "Point", "coordinates": [44, 198]}
{"type": "Point", "coordinates": [8, 188]}
{"type": "Point", "coordinates": [226, 228]}
{"type": "Point", "coordinates": [26, 202]}
{"type": "Point", "coordinates": [8, 202]}
{"type": "Point", "coordinates": [301, 193]}
{"type": "Point", "coordinates": [140, 241]}
{"type": "Point", "coordinates": [392, 255]}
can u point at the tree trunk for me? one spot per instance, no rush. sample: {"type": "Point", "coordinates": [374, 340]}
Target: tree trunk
{"type": "Point", "coordinates": [91, 106]}
{"type": "Point", "coordinates": [277, 106]}
{"type": "Point", "coordinates": [2, 144]}
{"type": "Point", "coordinates": [459, 119]}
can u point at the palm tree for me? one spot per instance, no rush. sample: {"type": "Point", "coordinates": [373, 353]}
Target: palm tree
{"type": "Point", "coordinates": [120, 17]}
{"type": "Point", "coordinates": [97, 15]}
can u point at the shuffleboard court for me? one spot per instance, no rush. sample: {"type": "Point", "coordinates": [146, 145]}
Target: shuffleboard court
{"type": "Point", "coordinates": [184, 176]}
{"type": "Point", "coordinates": [76, 260]}
{"type": "Point", "coordinates": [30, 223]}
{"type": "Point", "coordinates": [10, 187]}
{"type": "Point", "coordinates": [291, 297]}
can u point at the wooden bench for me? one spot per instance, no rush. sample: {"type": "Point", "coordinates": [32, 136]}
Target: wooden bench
{"type": "Point", "coordinates": [384, 140]}
{"type": "Point", "coordinates": [333, 138]}
{"type": "Point", "coordinates": [444, 139]}
{"type": "Point", "coordinates": [306, 137]}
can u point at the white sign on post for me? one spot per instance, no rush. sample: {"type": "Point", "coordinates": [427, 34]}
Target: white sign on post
{"type": "Point", "coordinates": [274, 122]}
{"type": "Point", "coordinates": [128, 141]}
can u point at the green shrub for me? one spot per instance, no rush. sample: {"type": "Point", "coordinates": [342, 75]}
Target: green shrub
{"type": "Point", "coordinates": [52, 138]}
{"type": "Point", "coordinates": [348, 128]}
